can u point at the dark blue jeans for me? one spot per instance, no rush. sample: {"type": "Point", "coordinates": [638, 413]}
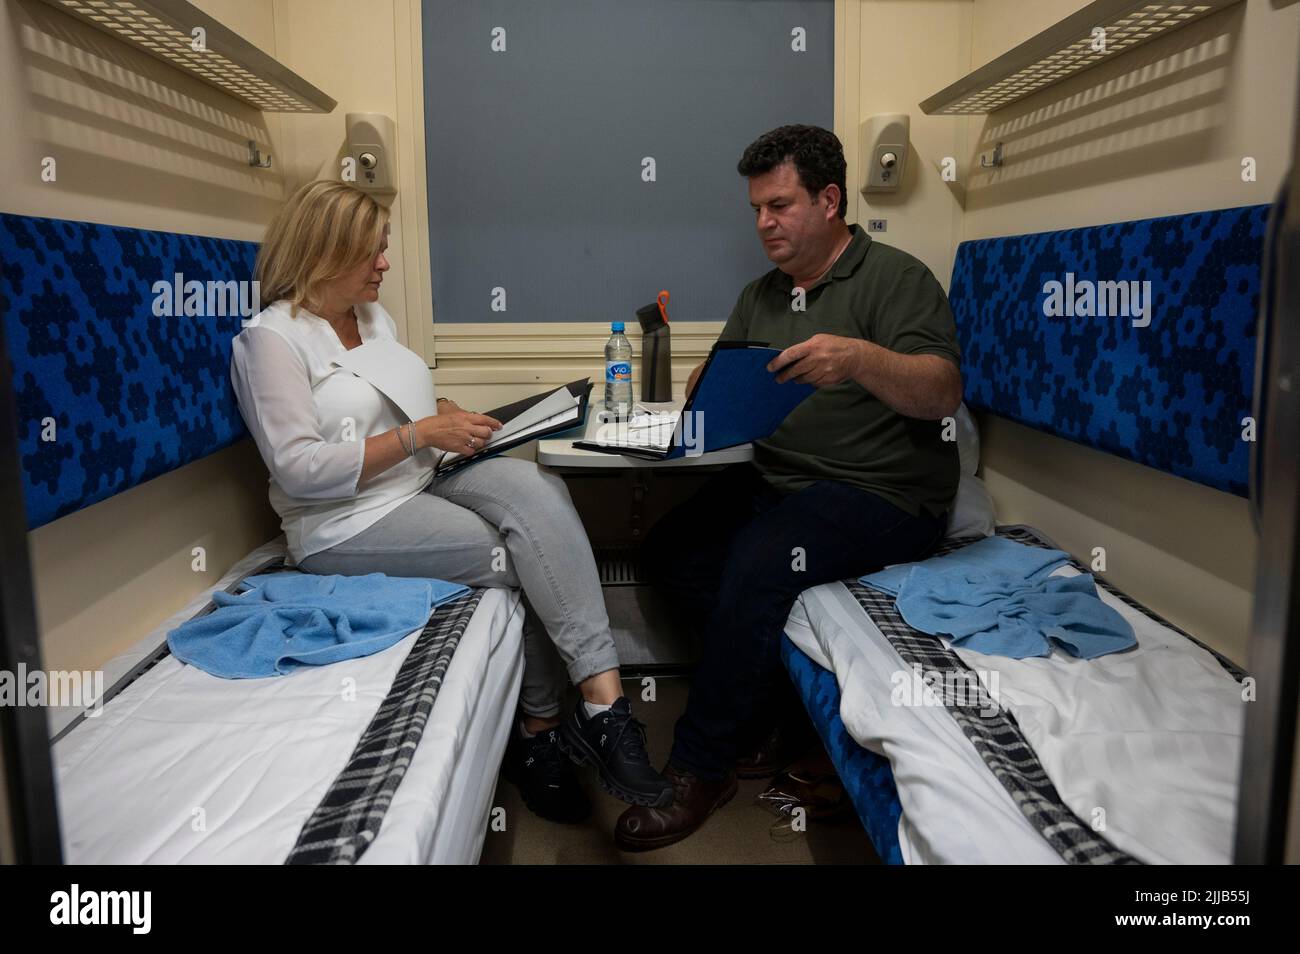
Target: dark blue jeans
{"type": "Point", "coordinates": [733, 559]}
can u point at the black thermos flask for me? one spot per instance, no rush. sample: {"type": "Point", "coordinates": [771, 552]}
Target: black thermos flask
{"type": "Point", "coordinates": [656, 351]}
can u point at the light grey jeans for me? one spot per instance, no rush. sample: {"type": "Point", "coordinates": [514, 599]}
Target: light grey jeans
{"type": "Point", "coordinates": [500, 522]}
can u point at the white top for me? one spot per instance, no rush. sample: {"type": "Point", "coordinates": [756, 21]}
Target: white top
{"type": "Point", "coordinates": [310, 419]}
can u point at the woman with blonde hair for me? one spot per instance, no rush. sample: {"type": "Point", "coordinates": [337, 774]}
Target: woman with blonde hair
{"type": "Point", "coordinates": [352, 478]}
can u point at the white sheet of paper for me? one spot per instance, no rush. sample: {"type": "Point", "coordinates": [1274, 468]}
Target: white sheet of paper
{"type": "Point", "coordinates": [656, 436]}
{"type": "Point", "coordinates": [561, 402]}
{"type": "Point", "coordinates": [396, 371]}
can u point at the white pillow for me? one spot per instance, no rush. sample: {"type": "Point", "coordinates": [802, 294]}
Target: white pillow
{"type": "Point", "coordinates": [972, 512]}
{"type": "Point", "coordinates": [968, 440]}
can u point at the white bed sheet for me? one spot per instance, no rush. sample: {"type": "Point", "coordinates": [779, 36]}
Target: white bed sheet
{"type": "Point", "coordinates": [1151, 738]}
{"type": "Point", "coordinates": [185, 767]}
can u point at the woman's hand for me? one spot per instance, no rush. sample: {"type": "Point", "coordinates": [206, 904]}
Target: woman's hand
{"type": "Point", "coordinates": [460, 432]}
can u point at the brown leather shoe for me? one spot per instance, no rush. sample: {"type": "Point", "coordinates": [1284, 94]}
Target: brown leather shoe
{"type": "Point", "coordinates": [784, 744]}
{"type": "Point", "coordinates": [642, 828]}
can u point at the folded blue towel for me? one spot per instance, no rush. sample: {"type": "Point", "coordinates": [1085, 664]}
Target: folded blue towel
{"type": "Point", "coordinates": [282, 621]}
{"type": "Point", "coordinates": [992, 554]}
{"type": "Point", "coordinates": [1000, 614]}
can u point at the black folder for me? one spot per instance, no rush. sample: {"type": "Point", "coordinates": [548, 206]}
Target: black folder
{"type": "Point", "coordinates": [575, 415]}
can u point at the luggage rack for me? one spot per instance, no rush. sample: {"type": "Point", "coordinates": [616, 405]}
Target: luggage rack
{"type": "Point", "coordinates": [1063, 50]}
{"type": "Point", "coordinates": [181, 35]}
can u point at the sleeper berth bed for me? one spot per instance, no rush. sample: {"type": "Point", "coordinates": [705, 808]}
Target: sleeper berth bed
{"type": "Point", "coordinates": [181, 766]}
{"type": "Point", "coordinates": [1127, 758]}
{"type": "Point", "coordinates": [392, 757]}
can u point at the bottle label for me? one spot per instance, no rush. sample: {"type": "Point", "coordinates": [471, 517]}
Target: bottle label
{"type": "Point", "coordinates": [618, 371]}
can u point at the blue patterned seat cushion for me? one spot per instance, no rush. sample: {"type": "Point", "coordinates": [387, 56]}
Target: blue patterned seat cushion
{"type": "Point", "coordinates": [866, 776]}
{"type": "Point", "coordinates": [1171, 395]}
{"type": "Point", "coordinates": [130, 395]}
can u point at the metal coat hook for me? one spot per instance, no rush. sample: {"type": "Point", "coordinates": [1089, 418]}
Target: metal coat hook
{"type": "Point", "coordinates": [255, 157]}
{"type": "Point", "coordinates": [997, 158]}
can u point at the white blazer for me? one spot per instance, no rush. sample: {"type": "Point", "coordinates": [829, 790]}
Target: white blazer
{"type": "Point", "coordinates": [310, 418]}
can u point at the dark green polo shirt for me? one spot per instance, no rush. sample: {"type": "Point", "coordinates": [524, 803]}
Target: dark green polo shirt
{"type": "Point", "coordinates": [843, 432]}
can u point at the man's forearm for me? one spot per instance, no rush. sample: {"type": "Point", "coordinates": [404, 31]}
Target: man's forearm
{"type": "Point", "coordinates": [924, 386]}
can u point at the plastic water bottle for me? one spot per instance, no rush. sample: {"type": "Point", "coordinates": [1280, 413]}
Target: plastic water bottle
{"type": "Point", "coordinates": [618, 373]}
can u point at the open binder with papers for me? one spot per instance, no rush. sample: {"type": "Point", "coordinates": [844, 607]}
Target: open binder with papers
{"type": "Point", "coordinates": [527, 420]}
{"type": "Point", "coordinates": [400, 374]}
{"type": "Point", "coordinates": [736, 400]}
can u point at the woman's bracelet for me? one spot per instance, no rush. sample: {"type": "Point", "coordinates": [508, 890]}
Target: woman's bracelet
{"type": "Point", "coordinates": [410, 438]}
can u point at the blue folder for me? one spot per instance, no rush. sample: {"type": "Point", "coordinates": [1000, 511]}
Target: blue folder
{"type": "Point", "coordinates": [735, 401]}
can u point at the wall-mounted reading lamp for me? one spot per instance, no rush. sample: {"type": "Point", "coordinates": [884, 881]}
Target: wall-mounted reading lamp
{"type": "Point", "coordinates": [371, 160]}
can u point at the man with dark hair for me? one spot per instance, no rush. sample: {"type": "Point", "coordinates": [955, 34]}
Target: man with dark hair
{"type": "Point", "coordinates": [856, 478]}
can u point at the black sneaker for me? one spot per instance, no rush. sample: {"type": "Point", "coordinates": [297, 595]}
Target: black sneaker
{"type": "Point", "coordinates": [614, 742]}
{"type": "Point", "coordinates": [545, 777]}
